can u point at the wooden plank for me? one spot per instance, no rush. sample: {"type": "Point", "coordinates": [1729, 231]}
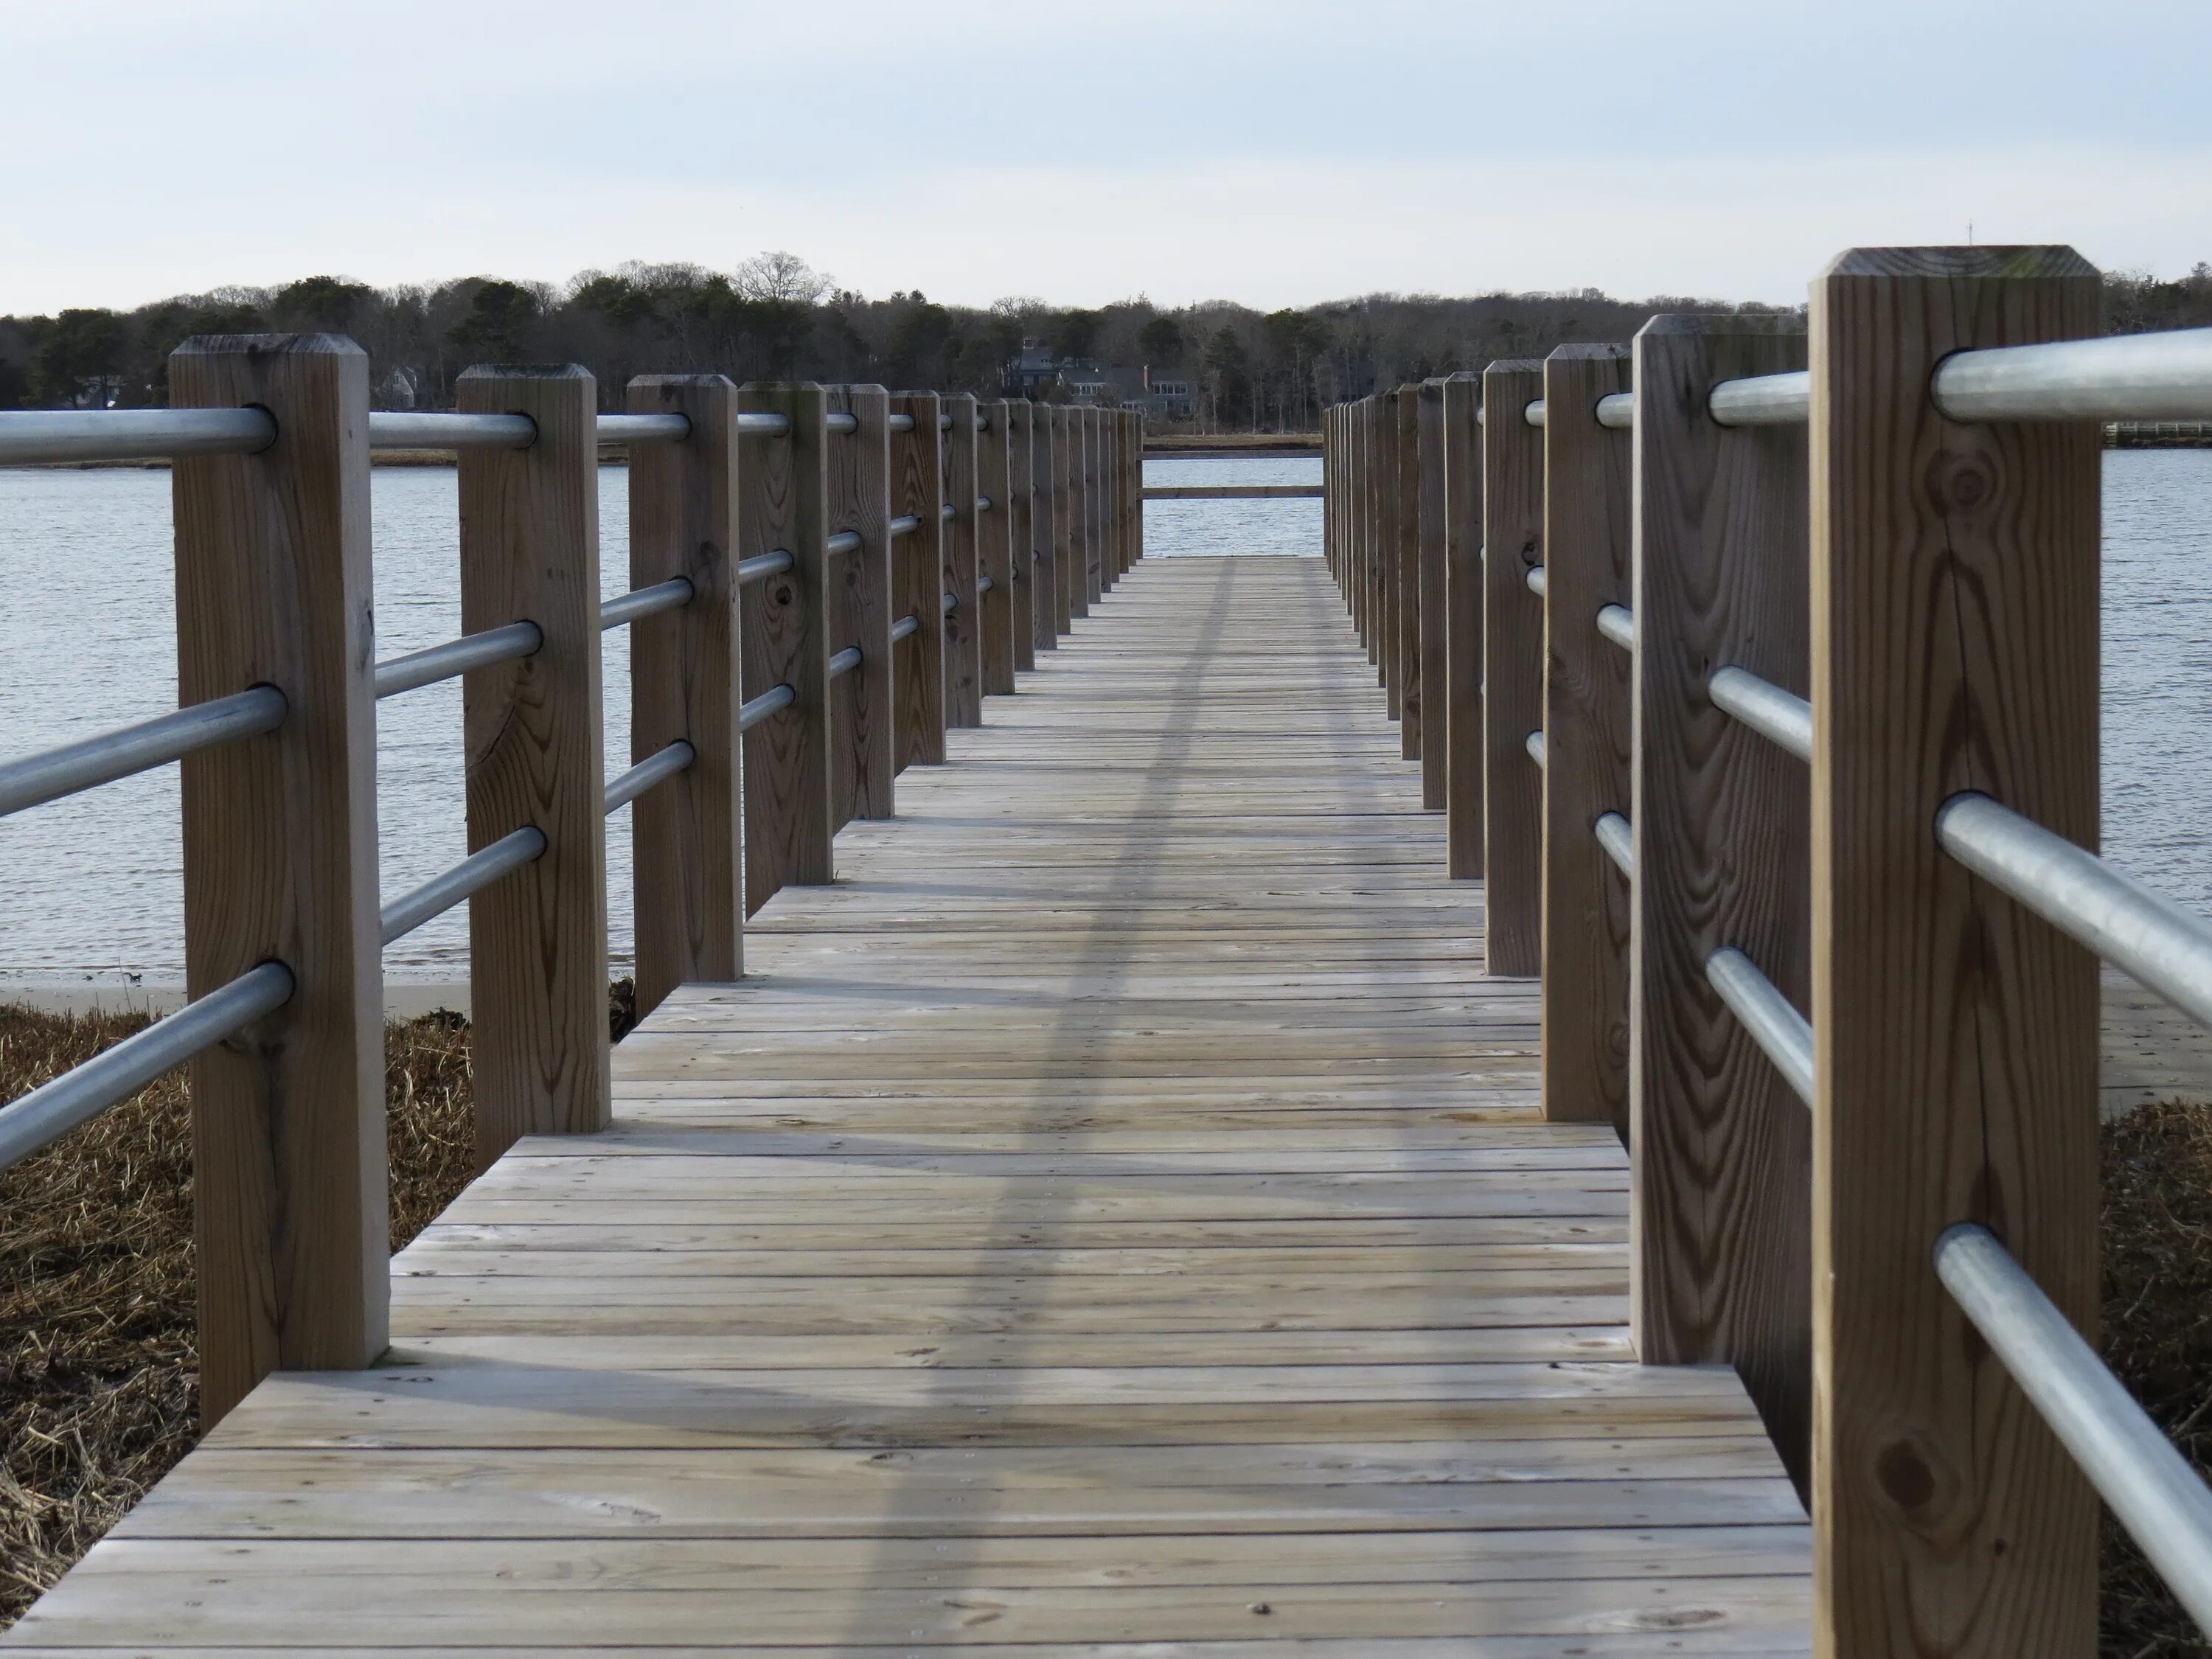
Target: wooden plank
{"type": "Point", "coordinates": [273, 588]}
{"type": "Point", "coordinates": [994, 548]}
{"type": "Point", "coordinates": [1405, 506]}
{"type": "Point", "coordinates": [1721, 1146]}
{"type": "Point", "coordinates": [688, 914]}
{"type": "Point", "coordinates": [538, 938]}
{"type": "Point", "coordinates": [1462, 446]}
{"type": "Point", "coordinates": [1512, 668]}
{"type": "Point", "coordinates": [918, 582]}
{"type": "Point", "coordinates": [1954, 606]}
{"type": "Point", "coordinates": [1586, 731]}
{"type": "Point", "coordinates": [783, 506]}
{"type": "Point", "coordinates": [964, 631]}
{"type": "Point", "coordinates": [1022, 537]}
{"type": "Point", "coordinates": [863, 701]}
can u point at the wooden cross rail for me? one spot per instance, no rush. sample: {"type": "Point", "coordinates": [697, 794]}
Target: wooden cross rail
{"type": "Point", "coordinates": [1929, 579]}
{"type": "Point", "coordinates": [821, 580]}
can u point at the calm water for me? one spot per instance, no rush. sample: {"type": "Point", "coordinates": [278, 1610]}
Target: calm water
{"type": "Point", "coordinates": [90, 887]}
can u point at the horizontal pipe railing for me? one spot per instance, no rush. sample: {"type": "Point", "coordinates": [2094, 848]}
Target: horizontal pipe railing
{"type": "Point", "coordinates": [1535, 578]}
{"type": "Point", "coordinates": [441, 662]}
{"type": "Point", "coordinates": [655, 767]}
{"type": "Point", "coordinates": [91, 762]}
{"type": "Point", "coordinates": [1782, 1034]}
{"type": "Point", "coordinates": [471, 875]}
{"type": "Point", "coordinates": [641, 601]}
{"type": "Point", "coordinates": [1532, 412]}
{"type": "Point", "coordinates": [2148, 1485]}
{"type": "Point", "coordinates": [982, 503]}
{"type": "Point", "coordinates": [36, 436]}
{"type": "Point", "coordinates": [1613, 834]}
{"type": "Point", "coordinates": [54, 1108]}
{"type": "Point", "coordinates": [904, 628]}
{"type": "Point", "coordinates": [901, 424]}
{"type": "Point", "coordinates": [845, 541]}
{"type": "Point", "coordinates": [757, 709]}
{"type": "Point", "coordinates": [1617, 623]}
{"type": "Point", "coordinates": [404, 429]}
{"type": "Point", "coordinates": [1763, 400]}
{"type": "Point", "coordinates": [844, 424]}
{"type": "Point", "coordinates": [772, 563]}
{"type": "Point", "coordinates": [905, 524]}
{"type": "Point", "coordinates": [982, 585]}
{"type": "Point", "coordinates": [644, 428]}
{"type": "Point", "coordinates": [1781, 717]}
{"type": "Point", "coordinates": [2150, 938]}
{"type": "Point", "coordinates": [1533, 742]}
{"type": "Point", "coordinates": [844, 662]}
{"type": "Point", "coordinates": [2127, 377]}
{"type": "Point", "coordinates": [947, 510]}
{"type": "Point", "coordinates": [951, 604]}
{"type": "Point", "coordinates": [1617, 410]}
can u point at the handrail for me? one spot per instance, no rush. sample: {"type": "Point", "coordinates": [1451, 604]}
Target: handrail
{"type": "Point", "coordinates": [641, 602]}
{"type": "Point", "coordinates": [846, 424]}
{"type": "Point", "coordinates": [656, 768]}
{"type": "Point", "coordinates": [441, 662]}
{"type": "Point", "coordinates": [900, 423]}
{"type": "Point", "coordinates": [471, 875]}
{"type": "Point", "coordinates": [1614, 835]}
{"type": "Point", "coordinates": [1763, 400]}
{"type": "Point", "coordinates": [58, 1105]}
{"type": "Point", "coordinates": [760, 424]}
{"type": "Point", "coordinates": [1617, 623]}
{"type": "Point", "coordinates": [845, 661]}
{"type": "Point", "coordinates": [1533, 742]}
{"type": "Point", "coordinates": [40, 436]}
{"type": "Point", "coordinates": [1532, 413]}
{"type": "Point", "coordinates": [404, 430]}
{"type": "Point", "coordinates": [754, 710]}
{"type": "Point", "coordinates": [2149, 1487]}
{"type": "Point", "coordinates": [2148, 938]}
{"type": "Point", "coordinates": [905, 627]}
{"type": "Point", "coordinates": [845, 541]}
{"type": "Point", "coordinates": [982, 585]}
{"type": "Point", "coordinates": [644, 428]}
{"type": "Point", "coordinates": [951, 604]}
{"type": "Point", "coordinates": [1617, 409]}
{"type": "Point", "coordinates": [1535, 578]}
{"type": "Point", "coordinates": [947, 510]}
{"type": "Point", "coordinates": [772, 563]}
{"type": "Point", "coordinates": [982, 503]}
{"type": "Point", "coordinates": [86, 764]}
{"type": "Point", "coordinates": [1781, 717]}
{"type": "Point", "coordinates": [905, 524]}
{"type": "Point", "coordinates": [2166, 376]}
{"type": "Point", "coordinates": [1782, 1034]}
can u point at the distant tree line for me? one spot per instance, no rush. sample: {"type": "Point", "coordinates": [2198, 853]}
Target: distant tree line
{"type": "Point", "coordinates": [775, 318]}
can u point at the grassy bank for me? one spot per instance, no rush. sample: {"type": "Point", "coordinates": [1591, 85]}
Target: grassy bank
{"type": "Point", "coordinates": [97, 1380]}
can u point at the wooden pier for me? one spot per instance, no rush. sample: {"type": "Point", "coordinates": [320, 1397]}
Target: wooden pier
{"type": "Point", "coordinates": [1114, 1218]}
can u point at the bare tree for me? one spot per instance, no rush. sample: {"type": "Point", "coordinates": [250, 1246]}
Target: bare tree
{"type": "Point", "coordinates": [779, 276]}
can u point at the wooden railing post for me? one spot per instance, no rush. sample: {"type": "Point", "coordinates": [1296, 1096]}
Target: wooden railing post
{"type": "Point", "coordinates": [280, 864]}
{"type": "Point", "coordinates": [1512, 668]}
{"type": "Point", "coordinates": [1721, 1146]}
{"type": "Point", "coordinates": [1331, 497]}
{"type": "Point", "coordinates": [1954, 647]}
{"type": "Point", "coordinates": [862, 764]}
{"type": "Point", "coordinates": [1049, 600]}
{"type": "Point", "coordinates": [1090, 525]}
{"type": "Point", "coordinates": [1361, 504]}
{"type": "Point", "coordinates": [1587, 737]}
{"type": "Point", "coordinates": [538, 939]}
{"type": "Point", "coordinates": [688, 918]}
{"type": "Point", "coordinates": [995, 550]}
{"type": "Point", "coordinates": [1462, 513]}
{"type": "Point", "coordinates": [1133, 486]}
{"type": "Point", "coordinates": [1067, 516]}
{"type": "Point", "coordinates": [1405, 502]}
{"type": "Point", "coordinates": [1388, 626]}
{"type": "Point", "coordinates": [1021, 529]}
{"type": "Point", "coordinates": [1429, 468]}
{"type": "Point", "coordinates": [963, 642]}
{"type": "Point", "coordinates": [783, 505]}
{"type": "Point", "coordinates": [918, 582]}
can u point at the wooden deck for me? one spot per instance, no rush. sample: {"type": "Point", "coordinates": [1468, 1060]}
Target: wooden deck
{"type": "Point", "coordinates": [1113, 1220]}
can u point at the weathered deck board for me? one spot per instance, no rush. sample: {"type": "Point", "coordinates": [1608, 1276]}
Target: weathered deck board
{"type": "Point", "coordinates": [1112, 1221]}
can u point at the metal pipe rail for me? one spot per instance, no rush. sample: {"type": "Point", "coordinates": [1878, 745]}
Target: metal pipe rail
{"type": "Point", "coordinates": [754, 710]}
{"type": "Point", "coordinates": [1613, 834]}
{"type": "Point", "coordinates": [2152, 940]}
{"type": "Point", "coordinates": [641, 602]}
{"type": "Point", "coordinates": [1763, 400]}
{"type": "Point", "coordinates": [1617, 623]}
{"type": "Point", "coordinates": [2149, 1487]}
{"type": "Point", "coordinates": [1617, 410]}
{"type": "Point", "coordinates": [404, 429]}
{"type": "Point", "coordinates": [86, 764]}
{"type": "Point", "coordinates": [1535, 580]}
{"type": "Point", "coordinates": [844, 424]}
{"type": "Point", "coordinates": [905, 627]}
{"type": "Point", "coordinates": [906, 524]}
{"type": "Point", "coordinates": [41, 436]}
{"type": "Point", "coordinates": [56, 1107]}
{"type": "Point", "coordinates": [845, 661]}
{"type": "Point", "coordinates": [471, 875]}
{"type": "Point", "coordinates": [951, 604]}
{"type": "Point", "coordinates": [1781, 717]}
{"type": "Point", "coordinates": [772, 563]}
{"type": "Point", "coordinates": [845, 541]}
{"type": "Point", "coordinates": [441, 662]}
{"type": "Point", "coordinates": [655, 767]}
{"type": "Point", "coordinates": [1533, 412]}
{"type": "Point", "coordinates": [900, 423]}
{"type": "Point", "coordinates": [947, 510]}
{"type": "Point", "coordinates": [1533, 742]}
{"type": "Point", "coordinates": [982, 503]}
{"type": "Point", "coordinates": [982, 585]}
{"type": "Point", "coordinates": [1783, 1035]}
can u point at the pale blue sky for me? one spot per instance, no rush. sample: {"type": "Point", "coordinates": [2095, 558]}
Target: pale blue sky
{"type": "Point", "coordinates": [1277, 153]}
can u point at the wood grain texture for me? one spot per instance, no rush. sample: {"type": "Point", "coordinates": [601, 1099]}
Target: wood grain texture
{"type": "Point", "coordinates": [863, 737]}
{"type": "Point", "coordinates": [686, 834]}
{"type": "Point", "coordinates": [963, 634]}
{"type": "Point", "coordinates": [1430, 537]}
{"type": "Point", "coordinates": [538, 939]}
{"type": "Point", "coordinates": [1462, 516]}
{"type": "Point", "coordinates": [783, 625]}
{"type": "Point", "coordinates": [1055, 1352]}
{"type": "Point", "coordinates": [1721, 1146]}
{"type": "Point", "coordinates": [274, 587]}
{"type": "Point", "coordinates": [1021, 534]}
{"type": "Point", "coordinates": [995, 550]}
{"type": "Point", "coordinates": [1406, 505]}
{"type": "Point", "coordinates": [1955, 645]}
{"type": "Point", "coordinates": [1586, 732]}
{"type": "Point", "coordinates": [918, 582]}
{"type": "Point", "coordinates": [1512, 667]}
